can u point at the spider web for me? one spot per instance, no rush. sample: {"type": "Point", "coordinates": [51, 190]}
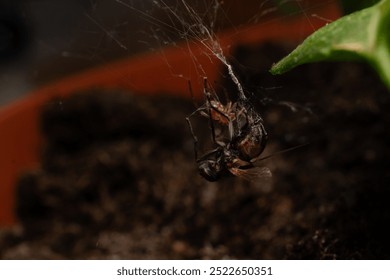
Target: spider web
{"type": "Point", "coordinates": [75, 35]}
{"type": "Point", "coordinates": [183, 23]}
{"type": "Point", "coordinates": [194, 24]}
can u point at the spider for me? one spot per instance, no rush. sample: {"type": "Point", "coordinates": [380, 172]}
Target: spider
{"type": "Point", "coordinates": [234, 153]}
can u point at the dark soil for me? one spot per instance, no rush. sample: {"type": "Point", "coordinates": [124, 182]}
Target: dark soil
{"type": "Point", "coordinates": [118, 178]}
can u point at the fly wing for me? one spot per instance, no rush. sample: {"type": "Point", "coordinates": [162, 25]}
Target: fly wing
{"type": "Point", "coordinates": [252, 174]}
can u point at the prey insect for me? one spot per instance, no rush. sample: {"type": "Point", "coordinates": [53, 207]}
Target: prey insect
{"type": "Point", "coordinates": [235, 151]}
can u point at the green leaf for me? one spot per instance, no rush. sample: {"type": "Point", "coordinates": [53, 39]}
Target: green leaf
{"type": "Point", "coordinates": [363, 35]}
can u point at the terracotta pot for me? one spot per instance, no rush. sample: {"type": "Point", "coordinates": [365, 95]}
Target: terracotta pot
{"type": "Point", "coordinates": [151, 73]}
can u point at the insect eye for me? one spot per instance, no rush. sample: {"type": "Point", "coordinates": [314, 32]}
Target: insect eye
{"type": "Point", "coordinates": [208, 170]}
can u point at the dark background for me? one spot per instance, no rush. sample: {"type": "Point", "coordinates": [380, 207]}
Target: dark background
{"type": "Point", "coordinates": [44, 40]}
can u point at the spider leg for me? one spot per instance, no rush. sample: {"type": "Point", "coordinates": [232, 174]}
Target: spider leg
{"type": "Point", "coordinates": [193, 137]}
{"type": "Point", "coordinates": [209, 153]}
{"type": "Point", "coordinates": [192, 94]}
{"type": "Point", "coordinates": [203, 109]}
{"type": "Point", "coordinates": [211, 107]}
{"type": "Point", "coordinates": [208, 102]}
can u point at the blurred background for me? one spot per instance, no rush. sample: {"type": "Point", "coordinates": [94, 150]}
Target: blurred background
{"type": "Point", "coordinates": [133, 187]}
{"type": "Point", "coordinates": [43, 40]}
